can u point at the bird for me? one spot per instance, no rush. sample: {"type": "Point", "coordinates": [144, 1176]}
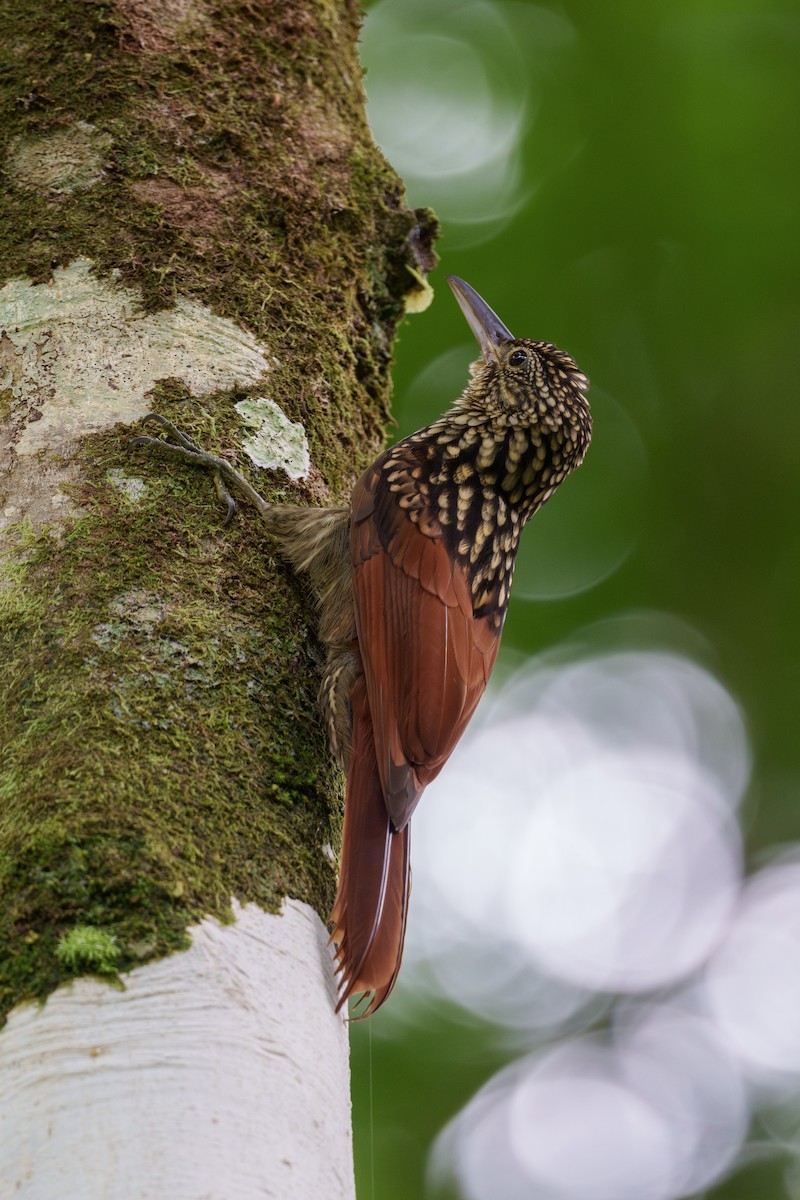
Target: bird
{"type": "Point", "coordinates": [411, 582]}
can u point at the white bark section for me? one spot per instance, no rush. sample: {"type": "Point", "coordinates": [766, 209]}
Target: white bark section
{"type": "Point", "coordinates": [220, 1073]}
{"type": "Point", "coordinates": [86, 354]}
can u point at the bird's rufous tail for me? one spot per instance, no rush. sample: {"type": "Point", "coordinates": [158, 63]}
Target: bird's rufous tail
{"type": "Point", "coordinates": [369, 915]}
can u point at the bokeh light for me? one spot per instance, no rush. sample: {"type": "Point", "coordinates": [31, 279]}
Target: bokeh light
{"type": "Point", "coordinates": [656, 1109]}
{"type": "Point", "coordinates": [752, 983]}
{"type": "Point", "coordinates": [626, 870]}
{"type": "Point", "coordinates": [449, 95]}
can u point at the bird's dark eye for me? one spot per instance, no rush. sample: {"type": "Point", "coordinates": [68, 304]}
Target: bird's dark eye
{"type": "Point", "coordinates": [517, 358]}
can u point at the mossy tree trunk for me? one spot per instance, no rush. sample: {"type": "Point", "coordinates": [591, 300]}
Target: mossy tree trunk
{"type": "Point", "coordinates": [195, 221]}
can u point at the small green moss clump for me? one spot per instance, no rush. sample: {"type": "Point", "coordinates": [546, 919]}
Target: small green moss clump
{"type": "Point", "coordinates": [84, 948]}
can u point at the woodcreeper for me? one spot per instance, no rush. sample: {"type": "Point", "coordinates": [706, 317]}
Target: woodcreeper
{"type": "Point", "coordinates": [411, 582]}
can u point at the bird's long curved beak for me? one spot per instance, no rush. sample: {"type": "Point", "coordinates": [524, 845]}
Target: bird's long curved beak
{"type": "Point", "coordinates": [485, 324]}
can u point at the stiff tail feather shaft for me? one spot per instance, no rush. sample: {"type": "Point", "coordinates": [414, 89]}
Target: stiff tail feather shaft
{"type": "Point", "coordinates": [369, 915]}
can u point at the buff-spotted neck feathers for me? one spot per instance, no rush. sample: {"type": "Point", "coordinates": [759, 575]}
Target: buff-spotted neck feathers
{"type": "Point", "coordinates": [478, 473]}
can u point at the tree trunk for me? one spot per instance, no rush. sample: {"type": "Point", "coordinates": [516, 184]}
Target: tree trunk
{"type": "Point", "coordinates": [196, 222]}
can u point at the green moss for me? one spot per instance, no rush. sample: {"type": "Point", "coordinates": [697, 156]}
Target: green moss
{"type": "Point", "coordinates": [148, 775]}
{"type": "Point", "coordinates": [6, 403]}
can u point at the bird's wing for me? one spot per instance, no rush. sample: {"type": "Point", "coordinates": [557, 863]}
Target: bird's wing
{"type": "Point", "coordinates": [426, 657]}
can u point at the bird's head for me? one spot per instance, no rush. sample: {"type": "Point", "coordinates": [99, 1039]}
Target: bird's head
{"type": "Point", "coordinates": [521, 382]}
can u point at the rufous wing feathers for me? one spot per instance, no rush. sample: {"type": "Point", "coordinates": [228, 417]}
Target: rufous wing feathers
{"type": "Point", "coordinates": [426, 657]}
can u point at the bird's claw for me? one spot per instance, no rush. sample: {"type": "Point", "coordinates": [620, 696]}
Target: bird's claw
{"type": "Point", "coordinates": [181, 438]}
{"type": "Point", "coordinates": [226, 498]}
{"type": "Point", "coordinates": [185, 447]}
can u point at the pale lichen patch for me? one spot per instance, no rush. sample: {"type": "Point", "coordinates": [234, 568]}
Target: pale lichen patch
{"type": "Point", "coordinates": [139, 608]}
{"type": "Point", "coordinates": [136, 612]}
{"type": "Point", "coordinates": [131, 487]}
{"type": "Point", "coordinates": [62, 162]}
{"type": "Point", "coordinates": [33, 491]}
{"type": "Point", "coordinates": [277, 444]}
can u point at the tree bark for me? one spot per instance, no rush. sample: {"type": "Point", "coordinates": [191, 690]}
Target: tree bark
{"type": "Point", "coordinates": [197, 222]}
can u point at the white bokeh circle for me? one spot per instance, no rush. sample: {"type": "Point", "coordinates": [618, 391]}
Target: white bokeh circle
{"type": "Point", "coordinates": [752, 983]}
{"type": "Point", "coordinates": [653, 1110]}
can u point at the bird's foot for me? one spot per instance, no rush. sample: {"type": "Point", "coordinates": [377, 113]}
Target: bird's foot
{"type": "Point", "coordinates": [179, 445]}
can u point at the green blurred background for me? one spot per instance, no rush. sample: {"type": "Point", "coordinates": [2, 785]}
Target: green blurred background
{"type": "Point", "coordinates": [621, 179]}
